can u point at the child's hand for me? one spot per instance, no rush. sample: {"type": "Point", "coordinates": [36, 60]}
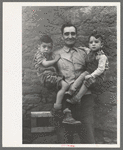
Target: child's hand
{"type": "Point", "coordinates": [86, 48]}
{"type": "Point", "coordinates": [57, 57]}
{"type": "Point", "coordinates": [87, 77]}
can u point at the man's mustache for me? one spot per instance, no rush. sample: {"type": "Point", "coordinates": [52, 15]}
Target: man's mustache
{"type": "Point", "coordinates": [70, 38]}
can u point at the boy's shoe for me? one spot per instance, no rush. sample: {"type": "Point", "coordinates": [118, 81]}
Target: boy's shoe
{"type": "Point", "coordinates": [67, 95]}
{"type": "Point", "coordinates": [73, 100]}
{"type": "Point", "coordinates": [69, 119]}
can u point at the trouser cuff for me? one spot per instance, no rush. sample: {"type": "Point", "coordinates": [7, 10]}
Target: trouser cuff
{"type": "Point", "coordinates": [66, 110]}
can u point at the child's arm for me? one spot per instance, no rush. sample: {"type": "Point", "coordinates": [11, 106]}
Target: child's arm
{"type": "Point", "coordinates": [48, 63]}
{"type": "Point", "coordinates": [101, 67]}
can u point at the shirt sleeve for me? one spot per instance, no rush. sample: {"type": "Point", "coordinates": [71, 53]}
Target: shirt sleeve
{"type": "Point", "coordinates": [38, 58]}
{"type": "Point", "coordinates": [101, 66]}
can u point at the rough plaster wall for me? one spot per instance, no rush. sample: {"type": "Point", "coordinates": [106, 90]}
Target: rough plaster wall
{"type": "Point", "coordinates": [40, 20]}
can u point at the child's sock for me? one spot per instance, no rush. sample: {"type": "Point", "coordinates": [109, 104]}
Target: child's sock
{"type": "Point", "coordinates": [57, 106]}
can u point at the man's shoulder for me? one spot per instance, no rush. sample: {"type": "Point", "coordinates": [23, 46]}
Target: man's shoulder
{"type": "Point", "coordinates": [57, 51]}
{"type": "Point", "coordinates": [84, 49]}
{"type": "Point", "coordinates": [81, 51]}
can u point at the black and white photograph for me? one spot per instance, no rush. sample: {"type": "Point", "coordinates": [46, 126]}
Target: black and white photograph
{"type": "Point", "coordinates": [62, 61]}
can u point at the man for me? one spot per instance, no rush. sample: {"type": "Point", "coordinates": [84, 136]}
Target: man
{"type": "Point", "coordinates": [71, 65]}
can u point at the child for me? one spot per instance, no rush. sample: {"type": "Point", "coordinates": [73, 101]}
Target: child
{"type": "Point", "coordinates": [96, 64]}
{"type": "Point", "coordinates": [47, 73]}
{"type": "Point", "coordinates": [43, 62]}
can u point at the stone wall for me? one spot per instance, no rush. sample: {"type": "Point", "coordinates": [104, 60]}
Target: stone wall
{"type": "Point", "coordinates": [40, 20]}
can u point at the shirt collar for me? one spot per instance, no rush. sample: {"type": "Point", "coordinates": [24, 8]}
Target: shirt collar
{"type": "Point", "coordinates": [67, 49]}
{"type": "Point", "coordinates": [100, 52]}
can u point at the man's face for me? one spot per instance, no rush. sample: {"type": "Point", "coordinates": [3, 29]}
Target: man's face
{"type": "Point", "coordinates": [69, 36]}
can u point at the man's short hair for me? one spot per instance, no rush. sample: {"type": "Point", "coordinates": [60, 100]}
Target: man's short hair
{"type": "Point", "coordinates": [68, 25]}
{"type": "Point", "coordinates": [46, 39]}
{"type": "Point", "coordinates": [96, 35]}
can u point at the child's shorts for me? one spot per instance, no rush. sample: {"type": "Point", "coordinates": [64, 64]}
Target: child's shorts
{"type": "Point", "coordinates": [50, 79]}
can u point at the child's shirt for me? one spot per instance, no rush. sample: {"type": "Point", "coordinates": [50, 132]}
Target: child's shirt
{"type": "Point", "coordinates": [39, 58]}
{"type": "Point", "coordinates": [102, 62]}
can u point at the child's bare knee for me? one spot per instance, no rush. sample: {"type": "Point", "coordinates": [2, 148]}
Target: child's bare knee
{"type": "Point", "coordinates": [65, 85]}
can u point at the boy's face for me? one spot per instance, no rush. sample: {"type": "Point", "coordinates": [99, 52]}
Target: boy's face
{"type": "Point", "coordinates": [46, 47]}
{"type": "Point", "coordinates": [95, 44]}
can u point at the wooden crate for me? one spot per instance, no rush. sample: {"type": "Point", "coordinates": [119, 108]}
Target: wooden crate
{"type": "Point", "coordinates": [41, 122]}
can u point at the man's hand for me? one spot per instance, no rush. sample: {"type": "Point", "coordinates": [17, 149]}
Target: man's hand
{"type": "Point", "coordinates": [88, 76]}
{"type": "Point", "coordinates": [57, 57]}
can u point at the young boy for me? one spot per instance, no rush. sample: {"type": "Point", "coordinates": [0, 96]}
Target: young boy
{"type": "Point", "coordinates": [43, 62]}
{"type": "Point", "coordinates": [96, 64]}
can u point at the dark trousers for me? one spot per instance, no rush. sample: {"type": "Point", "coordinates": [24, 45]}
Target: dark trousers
{"type": "Point", "coordinates": [83, 113]}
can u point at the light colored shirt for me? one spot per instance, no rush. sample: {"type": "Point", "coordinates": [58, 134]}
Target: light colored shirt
{"type": "Point", "coordinates": [72, 63]}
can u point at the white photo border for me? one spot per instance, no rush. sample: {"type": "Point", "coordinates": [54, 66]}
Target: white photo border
{"type": "Point", "coordinates": [12, 73]}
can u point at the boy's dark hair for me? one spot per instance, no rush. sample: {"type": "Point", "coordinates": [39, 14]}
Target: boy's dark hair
{"type": "Point", "coordinates": [68, 25]}
{"type": "Point", "coordinates": [46, 39]}
{"type": "Point", "coordinates": [96, 35]}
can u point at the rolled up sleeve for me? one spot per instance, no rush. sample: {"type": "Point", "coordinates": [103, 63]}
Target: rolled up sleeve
{"type": "Point", "coordinates": [101, 66]}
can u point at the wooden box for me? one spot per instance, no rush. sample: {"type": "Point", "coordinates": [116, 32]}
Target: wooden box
{"type": "Point", "coordinates": [41, 122]}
